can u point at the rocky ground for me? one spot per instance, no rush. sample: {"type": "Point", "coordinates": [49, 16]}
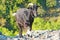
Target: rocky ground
{"type": "Point", "coordinates": [36, 35]}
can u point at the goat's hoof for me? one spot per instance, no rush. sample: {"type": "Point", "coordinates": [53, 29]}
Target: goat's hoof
{"type": "Point", "coordinates": [29, 35]}
{"type": "Point", "coordinates": [20, 36]}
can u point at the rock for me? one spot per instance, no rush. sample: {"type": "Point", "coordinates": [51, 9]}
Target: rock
{"type": "Point", "coordinates": [36, 35]}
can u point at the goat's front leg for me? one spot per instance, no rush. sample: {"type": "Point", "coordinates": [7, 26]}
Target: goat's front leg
{"type": "Point", "coordinates": [29, 32]}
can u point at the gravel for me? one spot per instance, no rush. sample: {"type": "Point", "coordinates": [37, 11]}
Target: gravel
{"type": "Point", "coordinates": [36, 35]}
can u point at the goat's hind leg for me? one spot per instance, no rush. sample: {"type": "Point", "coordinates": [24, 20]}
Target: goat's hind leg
{"type": "Point", "coordinates": [20, 30]}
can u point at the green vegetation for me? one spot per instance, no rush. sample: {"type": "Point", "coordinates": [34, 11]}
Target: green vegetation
{"type": "Point", "coordinates": [41, 24]}
{"type": "Point", "coordinates": [8, 25]}
{"type": "Point", "coordinates": [50, 3]}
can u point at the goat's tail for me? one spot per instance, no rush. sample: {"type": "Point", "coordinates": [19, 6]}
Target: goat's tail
{"type": "Point", "coordinates": [13, 14]}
